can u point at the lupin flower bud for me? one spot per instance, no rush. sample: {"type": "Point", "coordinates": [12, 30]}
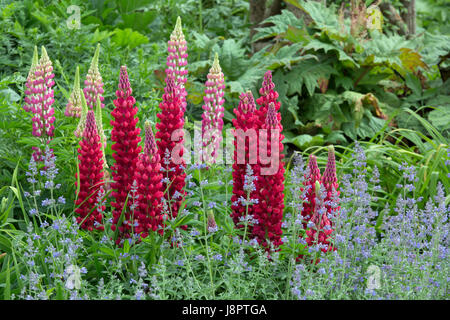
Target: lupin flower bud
{"type": "Point", "coordinates": [170, 137]}
{"type": "Point", "coordinates": [150, 147]}
{"type": "Point", "coordinates": [94, 83]}
{"type": "Point", "coordinates": [329, 178]}
{"type": "Point", "coordinates": [148, 177]}
{"type": "Point", "coordinates": [74, 106]}
{"type": "Point", "coordinates": [30, 98]}
{"type": "Point", "coordinates": [177, 61]}
{"type": "Point", "coordinates": [91, 176]}
{"type": "Point", "coordinates": [125, 134]}
{"type": "Point", "coordinates": [268, 95]}
{"type": "Point", "coordinates": [212, 117]}
{"type": "Point", "coordinates": [212, 225]}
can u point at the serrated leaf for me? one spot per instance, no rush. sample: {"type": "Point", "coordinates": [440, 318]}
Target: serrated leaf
{"type": "Point", "coordinates": [386, 50]}
{"type": "Point", "coordinates": [414, 84]}
{"type": "Point", "coordinates": [232, 59]}
{"type": "Point", "coordinates": [296, 35]}
{"type": "Point", "coordinates": [411, 59]}
{"type": "Point", "coordinates": [99, 36]}
{"type": "Point", "coordinates": [307, 73]}
{"type": "Point", "coordinates": [344, 82]}
{"type": "Point", "coordinates": [247, 80]}
{"type": "Point", "coordinates": [278, 24]}
{"type": "Point", "coordinates": [317, 45]}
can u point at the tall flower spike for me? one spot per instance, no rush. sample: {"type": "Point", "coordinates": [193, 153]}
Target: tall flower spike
{"type": "Point", "coordinates": [148, 177]}
{"type": "Point", "coordinates": [270, 183]}
{"type": "Point", "coordinates": [313, 175]}
{"type": "Point", "coordinates": [74, 106]}
{"type": "Point", "coordinates": [30, 99]}
{"type": "Point", "coordinates": [329, 177]}
{"type": "Point", "coordinates": [177, 61]}
{"type": "Point", "coordinates": [244, 125]}
{"type": "Point", "coordinates": [170, 141]}
{"type": "Point", "coordinates": [91, 176]}
{"type": "Point", "coordinates": [212, 117]}
{"type": "Point", "coordinates": [43, 100]}
{"type": "Point", "coordinates": [94, 82]}
{"type": "Point", "coordinates": [126, 151]}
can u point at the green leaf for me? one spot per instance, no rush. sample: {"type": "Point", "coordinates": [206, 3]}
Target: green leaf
{"type": "Point", "coordinates": [278, 24]}
{"type": "Point", "coordinates": [286, 56]}
{"type": "Point", "coordinates": [203, 43]}
{"type": "Point", "coordinates": [336, 137]}
{"type": "Point", "coordinates": [9, 95]}
{"type": "Point", "coordinates": [232, 59]}
{"type": "Point", "coordinates": [344, 82]}
{"type": "Point", "coordinates": [139, 21]}
{"type": "Point", "coordinates": [414, 84]}
{"type": "Point", "coordinates": [99, 36]}
{"type": "Point", "coordinates": [247, 80]}
{"type": "Point", "coordinates": [317, 45]}
{"type": "Point", "coordinates": [296, 35]}
{"type": "Point", "coordinates": [295, 3]}
{"type": "Point", "coordinates": [304, 141]}
{"type": "Point", "coordinates": [307, 73]}
{"type": "Point", "coordinates": [440, 118]}
{"type": "Point", "coordinates": [385, 51]}
{"type": "Point", "coordinates": [128, 38]}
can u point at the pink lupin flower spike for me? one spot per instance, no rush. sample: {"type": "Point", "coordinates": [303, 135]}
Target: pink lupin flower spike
{"type": "Point", "coordinates": [212, 118]}
{"type": "Point", "coordinates": [177, 60]}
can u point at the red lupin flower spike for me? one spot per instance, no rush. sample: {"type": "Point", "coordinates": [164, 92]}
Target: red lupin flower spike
{"type": "Point", "coordinates": [125, 134]}
{"type": "Point", "coordinates": [270, 183]}
{"type": "Point", "coordinates": [90, 177]}
{"type": "Point", "coordinates": [149, 187]}
{"type": "Point", "coordinates": [244, 125]}
{"type": "Point", "coordinates": [170, 137]}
